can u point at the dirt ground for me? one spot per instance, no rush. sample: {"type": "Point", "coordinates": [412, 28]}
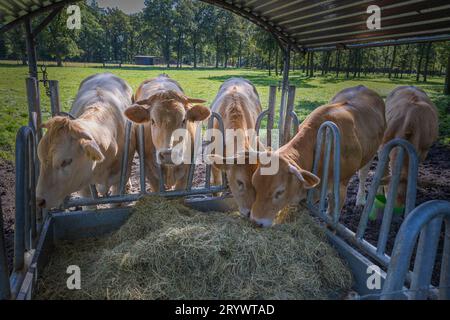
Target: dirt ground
{"type": "Point", "coordinates": [433, 184]}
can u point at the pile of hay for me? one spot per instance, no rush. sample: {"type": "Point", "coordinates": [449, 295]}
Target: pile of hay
{"type": "Point", "coordinates": [168, 251]}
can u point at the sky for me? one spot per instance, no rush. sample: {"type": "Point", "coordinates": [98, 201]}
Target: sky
{"type": "Point", "coordinates": [127, 6]}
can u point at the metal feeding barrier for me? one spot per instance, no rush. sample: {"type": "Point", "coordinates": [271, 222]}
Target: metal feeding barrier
{"type": "Point", "coordinates": [425, 220]}
{"type": "Point", "coordinates": [36, 232]}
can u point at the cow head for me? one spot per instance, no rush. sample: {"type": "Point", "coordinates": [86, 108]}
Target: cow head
{"type": "Point", "coordinates": [167, 112]}
{"type": "Point", "coordinates": [68, 156]}
{"type": "Point", "coordinates": [275, 192]}
{"type": "Point", "coordinates": [239, 174]}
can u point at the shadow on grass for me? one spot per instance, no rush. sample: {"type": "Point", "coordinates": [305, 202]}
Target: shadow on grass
{"type": "Point", "coordinates": [261, 80]}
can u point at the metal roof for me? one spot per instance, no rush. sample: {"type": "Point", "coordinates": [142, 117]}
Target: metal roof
{"type": "Point", "coordinates": [308, 24]}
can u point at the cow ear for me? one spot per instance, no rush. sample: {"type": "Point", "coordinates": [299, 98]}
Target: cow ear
{"type": "Point", "coordinates": [198, 113]}
{"type": "Point", "coordinates": [308, 179]}
{"type": "Point", "coordinates": [92, 150]}
{"type": "Point", "coordinates": [194, 101]}
{"type": "Point", "coordinates": [138, 114]}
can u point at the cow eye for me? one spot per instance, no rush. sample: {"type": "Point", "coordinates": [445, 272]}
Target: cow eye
{"type": "Point", "coordinates": [278, 194]}
{"type": "Point", "coordinates": [66, 163]}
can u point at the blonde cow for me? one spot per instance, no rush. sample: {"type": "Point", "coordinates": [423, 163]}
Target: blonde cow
{"type": "Point", "coordinates": [163, 108]}
{"type": "Point", "coordinates": [239, 105]}
{"type": "Point", "coordinates": [359, 114]}
{"type": "Point", "coordinates": [77, 153]}
{"type": "Point", "coordinates": [410, 115]}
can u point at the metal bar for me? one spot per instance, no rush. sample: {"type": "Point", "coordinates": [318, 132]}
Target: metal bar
{"type": "Point", "coordinates": [55, 103]}
{"type": "Point", "coordinates": [406, 241]}
{"type": "Point", "coordinates": [32, 193]}
{"type": "Point", "coordinates": [295, 122]}
{"type": "Point", "coordinates": [77, 202]}
{"type": "Point", "coordinates": [141, 144]}
{"type": "Point", "coordinates": [444, 291]}
{"type": "Point", "coordinates": [124, 168]}
{"type": "Point", "coordinates": [271, 114]}
{"type": "Point", "coordinates": [34, 108]}
{"type": "Point", "coordinates": [289, 111]}
{"type": "Point", "coordinates": [197, 142]}
{"type": "Point", "coordinates": [425, 260]}
{"type": "Point", "coordinates": [376, 182]}
{"type": "Point", "coordinates": [332, 132]}
{"type": "Point", "coordinates": [390, 204]}
{"type": "Point", "coordinates": [5, 290]}
{"type": "Point", "coordinates": [283, 105]}
{"type": "Point", "coordinates": [94, 191]}
{"type": "Point", "coordinates": [325, 171]}
{"type": "Point", "coordinates": [22, 199]}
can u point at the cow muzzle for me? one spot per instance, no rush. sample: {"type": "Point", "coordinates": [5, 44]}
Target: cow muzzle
{"type": "Point", "coordinates": [262, 223]}
{"type": "Point", "coordinates": [171, 157]}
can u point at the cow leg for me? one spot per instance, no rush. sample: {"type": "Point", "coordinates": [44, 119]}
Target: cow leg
{"type": "Point", "coordinates": [216, 176]}
{"type": "Point", "coordinates": [361, 196]}
{"type": "Point", "coordinates": [342, 197]}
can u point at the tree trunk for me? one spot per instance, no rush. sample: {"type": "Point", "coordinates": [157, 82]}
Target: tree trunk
{"type": "Point", "coordinates": [427, 61]}
{"type": "Point", "coordinates": [270, 62]}
{"type": "Point", "coordinates": [447, 78]}
{"type": "Point", "coordinates": [386, 58]}
{"type": "Point", "coordinates": [311, 65]}
{"type": "Point", "coordinates": [276, 61]}
{"type": "Point", "coordinates": [349, 63]}
{"type": "Point", "coordinates": [217, 52]}
{"type": "Point", "coordinates": [338, 63]}
{"type": "Point", "coordinates": [394, 55]}
{"type": "Point", "coordinates": [194, 50]}
{"type": "Point", "coordinates": [419, 65]}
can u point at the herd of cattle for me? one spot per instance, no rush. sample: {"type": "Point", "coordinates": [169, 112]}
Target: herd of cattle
{"type": "Point", "coordinates": [88, 150]}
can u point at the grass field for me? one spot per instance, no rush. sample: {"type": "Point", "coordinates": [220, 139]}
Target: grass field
{"type": "Point", "coordinates": [201, 83]}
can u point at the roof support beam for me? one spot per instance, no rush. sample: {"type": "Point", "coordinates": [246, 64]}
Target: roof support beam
{"type": "Point", "coordinates": [31, 49]}
{"type": "Point", "coordinates": [47, 21]}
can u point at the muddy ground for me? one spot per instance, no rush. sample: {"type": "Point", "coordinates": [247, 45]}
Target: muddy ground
{"type": "Point", "coordinates": [433, 184]}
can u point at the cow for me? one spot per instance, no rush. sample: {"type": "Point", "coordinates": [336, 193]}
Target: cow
{"type": "Point", "coordinates": [410, 115]}
{"type": "Point", "coordinates": [163, 108]}
{"type": "Point", "coordinates": [239, 105]}
{"type": "Point", "coordinates": [87, 150]}
{"type": "Point", "coordinates": [359, 114]}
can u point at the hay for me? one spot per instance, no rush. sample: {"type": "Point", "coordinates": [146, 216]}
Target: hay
{"type": "Point", "coordinates": [168, 251]}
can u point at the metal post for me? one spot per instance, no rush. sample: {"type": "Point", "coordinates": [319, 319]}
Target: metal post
{"type": "Point", "coordinates": [55, 103]}
{"type": "Point", "coordinates": [289, 111]}
{"type": "Point", "coordinates": [34, 107]}
{"type": "Point", "coordinates": [5, 290]}
{"type": "Point", "coordinates": [271, 115]}
{"type": "Point", "coordinates": [283, 113]}
{"type": "Point", "coordinates": [31, 49]}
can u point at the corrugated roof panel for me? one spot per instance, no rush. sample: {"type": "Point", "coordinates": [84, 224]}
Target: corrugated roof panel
{"type": "Point", "coordinates": [308, 24]}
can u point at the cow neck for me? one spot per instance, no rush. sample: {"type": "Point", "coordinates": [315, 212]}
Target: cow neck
{"type": "Point", "coordinates": [300, 150]}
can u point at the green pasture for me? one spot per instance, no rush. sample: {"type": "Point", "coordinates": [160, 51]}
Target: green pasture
{"type": "Point", "coordinates": [201, 83]}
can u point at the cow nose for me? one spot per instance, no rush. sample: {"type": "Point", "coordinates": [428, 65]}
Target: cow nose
{"type": "Point", "coordinates": [262, 223]}
{"type": "Point", "coordinates": [165, 156]}
{"type": "Point", "coordinates": [41, 203]}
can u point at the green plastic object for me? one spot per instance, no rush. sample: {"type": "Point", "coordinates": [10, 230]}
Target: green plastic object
{"type": "Point", "coordinates": [380, 203]}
